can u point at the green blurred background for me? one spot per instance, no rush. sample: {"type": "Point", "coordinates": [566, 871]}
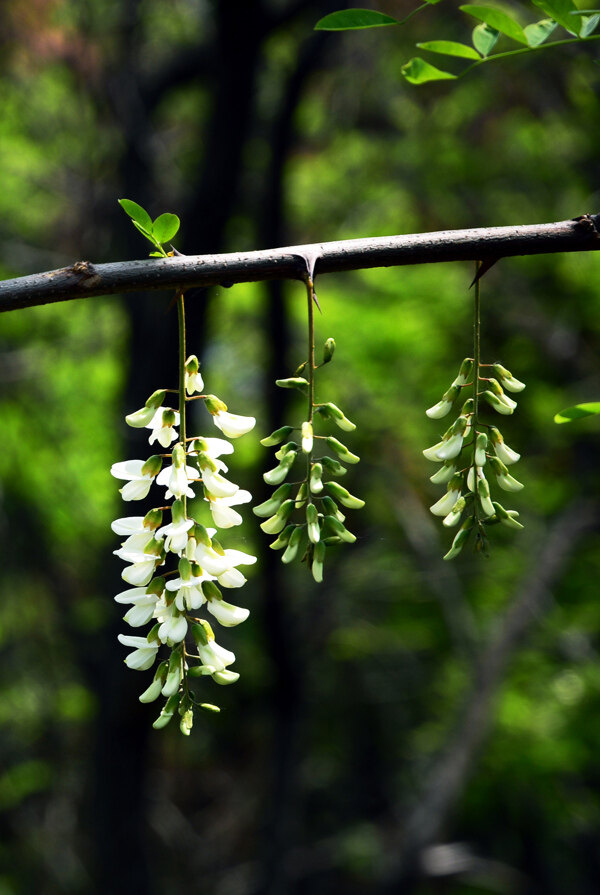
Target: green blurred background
{"type": "Point", "coordinates": [409, 726]}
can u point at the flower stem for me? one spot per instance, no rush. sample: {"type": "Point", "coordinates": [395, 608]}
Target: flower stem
{"type": "Point", "coordinates": [310, 295]}
{"type": "Point", "coordinates": [182, 357]}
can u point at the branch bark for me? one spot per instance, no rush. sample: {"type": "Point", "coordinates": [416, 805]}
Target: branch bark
{"type": "Point", "coordinates": [85, 280]}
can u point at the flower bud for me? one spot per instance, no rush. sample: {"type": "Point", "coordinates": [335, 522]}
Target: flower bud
{"type": "Point", "coordinates": [498, 405]}
{"type": "Point", "coordinates": [171, 685]}
{"type": "Point", "coordinates": [444, 474]}
{"type": "Point", "coordinates": [480, 449]}
{"type": "Point", "coordinates": [455, 513]}
{"type": "Point", "coordinates": [143, 416]}
{"type": "Point", "coordinates": [191, 365]}
{"type": "Point", "coordinates": [153, 691]}
{"type": "Point", "coordinates": [318, 561]}
{"type": "Point", "coordinates": [483, 493]}
{"type": "Point", "coordinates": [443, 407]}
{"type": "Point", "coordinates": [294, 382]}
{"type": "Point", "coordinates": [312, 524]}
{"type": "Point", "coordinates": [279, 473]}
{"type": "Point", "coordinates": [342, 451]}
{"type": "Point", "coordinates": [503, 477]}
{"type": "Point", "coordinates": [507, 379]}
{"type": "Point", "coordinates": [331, 509]}
{"type": "Point", "coordinates": [225, 677]}
{"type": "Point", "coordinates": [446, 503]}
{"type": "Point", "coordinates": [283, 539]}
{"type": "Point", "coordinates": [460, 538]}
{"type": "Point", "coordinates": [465, 372]}
{"type": "Point", "coordinates": [187, 720]}
{"type": "Point", "coordinates": [328, 350]}
{"type": "Point", "coordinates": [503, 452]}
{"type": "Point", "coordinates": [332, 411]}
{"type": "Point", "coordinates": [202, 632]}
{"type": "Point", "coordinates": [277, 436]}
{"type": "Point", "coordinates": [316, 472]}
{"type": "Point", "coordinates": [167, 713]}
{"type": "Point", "coordinates": [296, 544]}
{"type": "Point", "coordinates": [307, 437]}
{"type": "Point", "coordinates": [332, 466]}
{"type": "Point", "coordinates": [301, 496]}
{"type": "Point", "coordinates": [271, 505]}
{"type": "Point", "coordinates": [334, 526]}
{"type": "Point", "coordinates": [276, 523]}
{"type": "Point", "coordinates": [207, 707]}
{"type": "Point", "coordinates": [507, 517]}
{"type": "Point", "coordinates": [344, 496]}
{"type": "Point", "coordinates": [201, 535]}
{"type": "Point", "coordinates": [211, 591]}
{"type": "Point", "coordinates": [285, 449]}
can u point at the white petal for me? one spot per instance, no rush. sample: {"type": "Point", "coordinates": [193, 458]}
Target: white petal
{"type": "Point", "coordinates": [224, 516]}
{"type": "Point", "coordinates": [128, 469]}
{"type": "Point", "coordinates": [129, 596]}
{"type": "Point", "coordinates": [130, 640]}
{"type": "Point", "coordinates": [227, 614]}
{"type": "Point", "coordinates": [141, 659]}
{"type": "Point", "coordinates": [139, 573]}
{"type": "Point", "coordinates": [215, 655]}
{"type": "Point", "coordinates": [128, 525]}
{"type": "Point", "coordinates": [136, 490]}
{"type": "Point", "coordinates": [232, 424]}
{"type": "Point", "coordinates": [217, 485]}
{"type": "Point", "coordinates": [139, 615]}
{"type": "Point", "coordinates": [231, 578]}
{"type": "Point", "coordinates": [240, 558]}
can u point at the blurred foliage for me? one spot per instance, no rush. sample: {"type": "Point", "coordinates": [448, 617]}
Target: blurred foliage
{"type": "Point", "coordinates": [386, 644]}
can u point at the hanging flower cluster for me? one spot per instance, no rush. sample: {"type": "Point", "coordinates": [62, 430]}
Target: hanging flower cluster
{"type": "Point", "coordinates": [170, 600]}
{"type": "Point", "coordinates": [469, 448]}
{"type": "Point", "coordinates": [314, 502]}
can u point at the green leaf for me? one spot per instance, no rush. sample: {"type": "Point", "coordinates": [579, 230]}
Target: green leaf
{"type": "Point", "coordinates": [139, 214]}
{"type": "Point", "coordinates": [484, 38]}
{"type": "Point", "coordinates": [450, 48]}
{"type": "Point", "coordinates": [417, 71]}
{"type": "Point", "coordinates": [588, 25]}
{"type": "Point", "coordinates": [537, 33]}
{"type": "Point", "coordinates": [497, 19]}
{"type": "Point", "coordinates": [560, 10]}
{"type": "Point", "coordinates": [165, 227]}
{"type": "Point", "coordinates": [351, 19]}
{"type": "Point", "coordinates": [145, 232]}
{"type": "Point", "coordinates": [577, 412]}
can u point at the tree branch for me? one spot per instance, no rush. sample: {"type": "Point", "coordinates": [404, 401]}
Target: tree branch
{"type": "Point", "coordinates": [85, 280]}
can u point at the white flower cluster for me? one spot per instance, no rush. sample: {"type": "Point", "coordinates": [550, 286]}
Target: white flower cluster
{"type": "Point", "coordinates": [203, 566]}
{"type": "Point", "coordinates": [465, 449]}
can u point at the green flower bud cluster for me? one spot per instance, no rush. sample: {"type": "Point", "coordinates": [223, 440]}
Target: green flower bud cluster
{"type": "Point", "coordinates": [305, 515]}
{"type": "Point", "coordinates": [469, 449]}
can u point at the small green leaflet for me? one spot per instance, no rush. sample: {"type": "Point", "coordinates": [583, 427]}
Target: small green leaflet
{"type": "Point", "coordinates": [417, 71]}
{"type": "Point", "coordinates": [350, 19]}
{"type": "Point", "coordinates": [537, 33]}
{"type": "Point", "coordinates": [589, 25]}
{"type": "Point", "coordinates": [450, 48]}
{"type": "Point", "coordinates": [497, 19]}
{"type": "Point", "coordinates": [484, 38]}
{"type": "Point", "coordinates": [137, 213]}
{"type": "Point", "coordinates": [165, 227]}
{"type": "Point", "coordinates": [577, 412]}
{"type": "Point", "coordinates": [560, 10]}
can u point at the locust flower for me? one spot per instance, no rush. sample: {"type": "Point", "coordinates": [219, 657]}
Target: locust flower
{"type": "Point", "coordinates": [231, 424]}
{"type": "Point", "coordinates": [144, 652]}
{"type": "Point", "coordinates": [176, 477]}
{"type": "Point", "coordinates": [193, 379]}
{"type": "Point", "coordinates": [162, 424]}
{"type": "Point", "coordinates": [221, 508]}
{"type": "Point", "coordinates": [175, 534]}
{"type": "Point", "coordinates": [227, 614]}
{"type": "Point", "coordinates": [138, 474]}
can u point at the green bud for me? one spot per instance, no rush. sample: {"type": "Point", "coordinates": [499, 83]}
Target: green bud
{"type": "Point", "coordinates": [334, 413]}
{"type": "Point", "coordinates": [498, 405]}
{"type": "Point", "coordinates": [300, 368]}
{"type": "Point", "coordinates": [185, 725]}
{"type": "Point", "coordinates": [167, 713]}
{"type": "Point", "coordinates": [225, 677]}
{"type": "Point", "coordinates": [483, 493]}
{"type": "Point", "coordinates": [283, 539]}
{"type": "Point", "coordinates": [312, 524]}
{"type": "Point", "coordinates": [342, 451]}
{"type": "Point", "coordinates": [152, 466]}
{"type": "Point", "coordinates": [316, 472]}
{"type": "Point", "coordinates": [285, 449]}
{"type": "Point", "coordinates": [480, 449]}
{"type": "Point", "coordinates": [271, 505]}
{"type": "Point", "coordinates": [508, 380]}
{"type": "Point", "coordinates": [332, 466]}
{"type": "Point", "coordinates": [202, 632]}
{"type": "Point", "coordinates": [344, 496]}
{"type": "Point", "coordinates": [207, 707]}
{"type": "Point", "coordinates": [507, 517]}
{"type": "Point", "coordinates": [277, 436]}
{"type": "Point", "coordinates": [466, 369]}
{"type": "Point", "coordinates": [333, 526]}
{"type": "Point", "coordinates": [460, 539]}
{"type": "Point", "coordinates": [294, 382]}
{"type": "Point", "coordinates": [276, 523]}
{"type": "Point", "coordinates": [279, 473]}
{"type": "Point", "coordinates": [331, 509]}
{"type": "Point", "coordinates": [217, 547]}
{"type": "Point", "coordinates": [201, 670]}
{"type": "Point", "coordinates": [318, 561]}
{"type": "Point", "coordinates": [328, 350]}
{"type": "Point", "coordinates": [152, 693]}
{"type": "Point", "coordinates": [296, 544]}
{"type": "Point", "coordinates": [301, 496]}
